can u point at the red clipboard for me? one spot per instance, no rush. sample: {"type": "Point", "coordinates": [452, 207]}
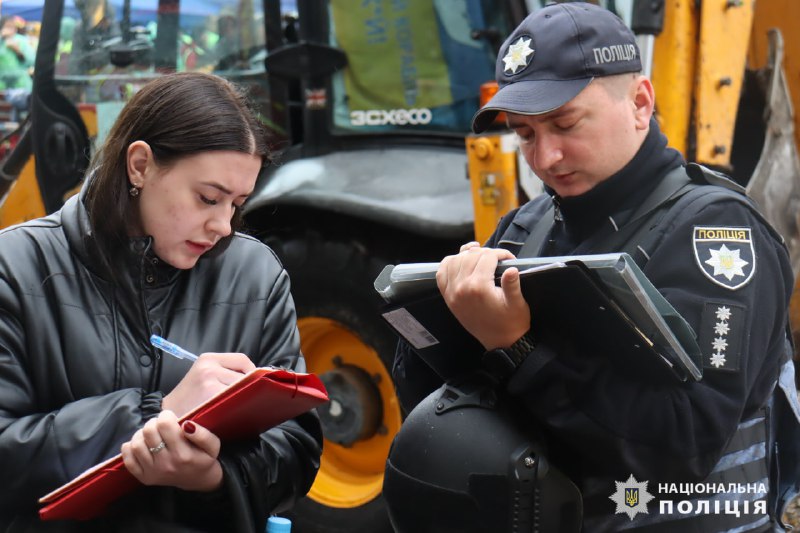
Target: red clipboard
{"type": "Point", "coordinates": [260, 400]}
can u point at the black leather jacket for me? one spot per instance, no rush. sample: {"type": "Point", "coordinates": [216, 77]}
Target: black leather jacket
{"type": "Point", "coordinates": [78, 376]}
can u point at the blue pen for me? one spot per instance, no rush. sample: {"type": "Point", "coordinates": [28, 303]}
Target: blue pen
{"type": "Point", "coordinates": [172, 349]}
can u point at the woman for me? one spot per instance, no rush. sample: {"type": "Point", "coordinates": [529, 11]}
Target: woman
{"type": "Point", "coordinates": [149, 247]}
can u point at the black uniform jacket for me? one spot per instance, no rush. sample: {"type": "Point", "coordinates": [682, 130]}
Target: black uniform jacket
{"type": "Point", "coordinates": [604, 423]}
{"type": "Point", "coordinates": [78, 376]}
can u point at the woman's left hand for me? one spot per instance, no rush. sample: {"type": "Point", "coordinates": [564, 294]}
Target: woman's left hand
{"type": "Point", "coordinates": [165, 453]}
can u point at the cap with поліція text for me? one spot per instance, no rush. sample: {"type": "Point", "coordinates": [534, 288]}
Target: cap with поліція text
{"type": "Point", "coordinates": [553, 55]}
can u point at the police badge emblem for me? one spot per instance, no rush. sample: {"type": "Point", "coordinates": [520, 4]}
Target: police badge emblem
{"type": "Point", "coordinates": [518, 56]}
{"type": "Point", "coordinates": [725, 254]}
{"type": "Point", "coordinates": [631, 497]}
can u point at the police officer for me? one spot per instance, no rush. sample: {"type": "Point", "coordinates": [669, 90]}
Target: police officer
{"type": "Point", "coordinates": [661, 456]}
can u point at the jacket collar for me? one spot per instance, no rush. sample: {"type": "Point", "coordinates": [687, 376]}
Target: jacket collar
{"type": "Point", "coordinates": [624, 190]}
{"type": "Point", "coordinates": [140, 261]}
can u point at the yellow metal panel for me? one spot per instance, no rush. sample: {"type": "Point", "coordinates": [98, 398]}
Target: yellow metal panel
{"type": "Point", "coordinates": [24, 201]}
{"type": "Point", "coordinates": [88, 114]}
{"type": "Point", "coordinates": [492, 161]}
{"type": "Point", "coordinates": [724, 35]}
{"type": "Point", "coordinates": [673, 71]}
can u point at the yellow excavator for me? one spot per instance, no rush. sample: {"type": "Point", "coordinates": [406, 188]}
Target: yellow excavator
{"type": "Point", "coordinates": [369, 106]}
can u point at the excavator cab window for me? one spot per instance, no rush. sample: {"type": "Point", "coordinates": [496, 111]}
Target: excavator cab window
{"type": "Point", "coordinates": [413, 65]}
{"type": "Point", "coordinates": [417, 65]}
{"type": "Point", "coordinates": [110, 48]}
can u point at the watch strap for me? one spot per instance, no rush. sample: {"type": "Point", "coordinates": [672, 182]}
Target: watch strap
{"type": "Point", "coordinates": [520, 349]}
{"type": "Point", "coordinates": [502, 362]}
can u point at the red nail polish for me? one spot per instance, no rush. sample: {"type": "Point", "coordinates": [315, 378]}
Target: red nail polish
{"type": "Point", "coordinates": [189, 427]}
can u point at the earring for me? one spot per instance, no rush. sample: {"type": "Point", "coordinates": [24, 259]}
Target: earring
{"type": "Point", "coordinates": [134, 191]}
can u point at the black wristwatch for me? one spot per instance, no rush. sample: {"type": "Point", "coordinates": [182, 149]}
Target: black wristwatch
{"type": "Point", "coordinates": [502, 362]}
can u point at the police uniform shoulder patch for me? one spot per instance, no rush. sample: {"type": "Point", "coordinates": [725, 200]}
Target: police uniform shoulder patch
{"type": "Point", "coordinates": [725, 254]}
{"type": "Point", "coordinates": [721, 330]}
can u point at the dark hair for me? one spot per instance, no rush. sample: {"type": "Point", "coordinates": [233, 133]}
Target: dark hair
{"type": "Point", "coordinates": [178, 115]}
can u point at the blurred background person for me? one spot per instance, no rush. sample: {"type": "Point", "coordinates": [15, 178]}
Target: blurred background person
{"type": "Point", "coordinates": [16, 62]}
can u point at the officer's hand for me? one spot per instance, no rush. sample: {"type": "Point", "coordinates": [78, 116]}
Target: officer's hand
{"type": "Point", "coordinates": [211, 373]}
{"type": "Point", "coordinates": [496, 316]}
{"type": "Point", "coordinates": [187, 459]}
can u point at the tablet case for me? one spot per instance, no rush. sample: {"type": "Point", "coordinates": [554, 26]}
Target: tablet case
{"type": "Point", "coordinates": [603, 304]}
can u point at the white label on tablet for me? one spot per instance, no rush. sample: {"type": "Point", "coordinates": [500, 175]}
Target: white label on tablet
{"type": "Point", "coordinates": [410, 328]}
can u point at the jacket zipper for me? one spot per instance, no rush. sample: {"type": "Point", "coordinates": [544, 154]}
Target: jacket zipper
{"type": "Point", "coordinates": [155, 377]}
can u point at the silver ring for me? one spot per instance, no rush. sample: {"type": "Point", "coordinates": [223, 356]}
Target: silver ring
{"type": "Point", "coordinates": [161, 446]}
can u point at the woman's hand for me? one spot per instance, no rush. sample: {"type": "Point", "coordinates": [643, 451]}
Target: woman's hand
{"type": "Point", "coordinates": [168, 454]}
{"type": "Point", "coordinates": [211, 373]}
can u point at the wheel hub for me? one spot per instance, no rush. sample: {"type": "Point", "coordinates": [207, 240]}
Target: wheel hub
{"type": "Point", "coordinates": [355, 409]}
